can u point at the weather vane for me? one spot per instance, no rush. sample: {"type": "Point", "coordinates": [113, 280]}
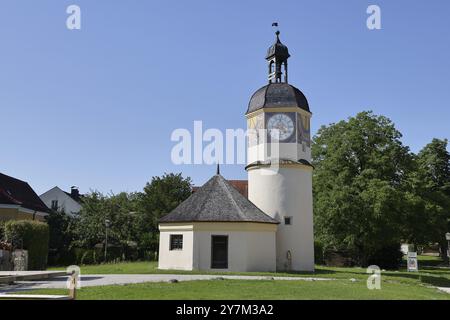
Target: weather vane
{"type": "Point", "coordinates": [275, 24]}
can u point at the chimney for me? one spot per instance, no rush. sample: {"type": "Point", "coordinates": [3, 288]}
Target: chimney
{"type": "Point", "coordinates": [74, 192]}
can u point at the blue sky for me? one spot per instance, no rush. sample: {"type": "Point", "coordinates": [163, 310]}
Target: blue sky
{"type": "Point", "coordinates": [96, 107]}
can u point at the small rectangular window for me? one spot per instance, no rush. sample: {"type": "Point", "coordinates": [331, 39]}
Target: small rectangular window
{"type": "Point", "coordinates": [287, 221]}
{"type": "Point", "coordinates": [176, 242]}
{"type": "Point", "coordinates": [55, 205]}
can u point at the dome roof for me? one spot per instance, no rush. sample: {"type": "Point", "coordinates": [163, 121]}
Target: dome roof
{"type": "Point", "coordinates": [278, 50]}
{"type": "Point", "coordinates": [277, 95]}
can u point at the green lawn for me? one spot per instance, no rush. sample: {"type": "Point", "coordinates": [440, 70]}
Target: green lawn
{"type": "Point", "coordinates": [395, 284]}
{"type": "Point", "coordinates": [245, 289]}
{"type": "Point", "coordinates": [428, 274]}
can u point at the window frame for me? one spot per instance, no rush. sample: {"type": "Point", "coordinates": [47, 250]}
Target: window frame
{"type": "Point", "coordinates": [175, 245]}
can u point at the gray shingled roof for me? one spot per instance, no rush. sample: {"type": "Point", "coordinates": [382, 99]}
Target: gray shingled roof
{"type": "Point", "coordinates": [217, 201]}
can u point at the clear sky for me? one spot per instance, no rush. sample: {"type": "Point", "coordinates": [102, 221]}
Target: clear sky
{"type": "Point", "coordinates": [96, 107]}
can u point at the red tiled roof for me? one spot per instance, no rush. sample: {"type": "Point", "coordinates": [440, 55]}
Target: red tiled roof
{"type": "Point", "coordinates": [240, 185]}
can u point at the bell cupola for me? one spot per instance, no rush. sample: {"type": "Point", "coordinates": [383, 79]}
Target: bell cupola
{"type": "Point", "coordinates": [277, 56]}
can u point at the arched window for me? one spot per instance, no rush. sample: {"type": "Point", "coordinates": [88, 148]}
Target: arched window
{"type": "Point", "coordinates": [272, 67]}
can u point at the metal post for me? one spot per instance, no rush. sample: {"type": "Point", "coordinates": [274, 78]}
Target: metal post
{"type": "Point", "coordinates": [106, 242]}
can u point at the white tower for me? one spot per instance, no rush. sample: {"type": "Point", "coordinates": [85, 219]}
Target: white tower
{"type": "Point", "coordinates": [279, 162]}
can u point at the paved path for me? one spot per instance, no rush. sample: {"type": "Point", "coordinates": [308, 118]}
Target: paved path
{"type": "Point", "coordinates": [121, 279]}
{"type": "Point", "coordinates": [444, 289]}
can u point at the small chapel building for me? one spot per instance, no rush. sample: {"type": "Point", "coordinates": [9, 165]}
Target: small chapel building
{"type": "Point", "coordinates": [217, 228]}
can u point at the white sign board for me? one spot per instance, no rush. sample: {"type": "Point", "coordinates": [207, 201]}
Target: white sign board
{"type": "Point", "coordinates": [412, 261]}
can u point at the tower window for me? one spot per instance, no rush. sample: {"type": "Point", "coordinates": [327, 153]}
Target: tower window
{"type": "Point", "coordinates": [288, 221]}
{"type": "Point", "coordinates": [176, 242]}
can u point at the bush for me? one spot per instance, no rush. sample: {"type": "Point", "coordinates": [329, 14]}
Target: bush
{"type": "Point", "coordinates": [338, 258]}
{"type": "Point", "coordinates": [60, 239]}
{"type": "Point", "coordinates": [388, 257]}
{"type": "Point", "coordinates": [32, 236]}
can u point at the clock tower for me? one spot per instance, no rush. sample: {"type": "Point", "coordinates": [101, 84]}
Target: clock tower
{"type": "Point", "coordinates": [279, 161]}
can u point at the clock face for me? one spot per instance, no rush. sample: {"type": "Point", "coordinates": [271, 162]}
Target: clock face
{"type": "Point", "coordinates": [282, 124]}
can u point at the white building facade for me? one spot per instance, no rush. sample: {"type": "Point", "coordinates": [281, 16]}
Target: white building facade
{"type": "Point", "coordinates": [59, 200]}
{"type": "Point", "coordinates": [250, 246]}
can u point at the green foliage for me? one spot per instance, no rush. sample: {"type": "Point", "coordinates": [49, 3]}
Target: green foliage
{"type": "Point", "coordinates": [160, 196]}
{"type": "Point", "coordinates": [429, 196]}
{"type": "Point", "coordinates": [32, 236]}
{"type": "Point", "coordinates": [133, 228]}
{"type": "Point", "coordinates": [371, 193]}
{"type": "Point", "coordinates": [89, 226]}
{"type": "Point", "coordinates": [60, 239]}
{"type": "Point", "coordinates": [360, 168]}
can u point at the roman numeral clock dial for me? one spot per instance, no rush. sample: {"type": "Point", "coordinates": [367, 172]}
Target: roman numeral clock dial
{"type": "Point", "coordinates": [280, 127]}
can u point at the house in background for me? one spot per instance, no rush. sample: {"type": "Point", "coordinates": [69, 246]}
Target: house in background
{"type": "Point", "coordinates": [18, 201]}
{"type": "Point", "coordinates": [59, 200]}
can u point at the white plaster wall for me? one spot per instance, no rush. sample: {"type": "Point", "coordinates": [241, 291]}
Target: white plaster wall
{"type": "Point", "coordinates": [247, 250]}
{"type": "Point", "coordinates": [65, 202]}
{"type": "Point", "coordinates": [287, 193]}
{"type": "Point", "coordinates": [251, 246]}
{"type": "Point", "coordinates": [265, 151]}
{"type": "Point", "coordinates": [262, 251]}
{"type": "Point", "coordinates": [176, 259]}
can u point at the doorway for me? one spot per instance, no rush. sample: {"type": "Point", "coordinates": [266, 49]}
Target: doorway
{"type": "Point", "coordinates": [219, 252]}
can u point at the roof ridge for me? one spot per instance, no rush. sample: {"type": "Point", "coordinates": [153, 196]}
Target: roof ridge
{"type": "Point", "coordinates": [12, 178]}
{"type": "Point", "coordinates": [231, 196]}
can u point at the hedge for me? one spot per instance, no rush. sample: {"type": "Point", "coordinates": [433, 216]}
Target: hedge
{"type": "Point", "coordinates": [32, 236]}
{"type": "Point", "coordinates": [388, 257]}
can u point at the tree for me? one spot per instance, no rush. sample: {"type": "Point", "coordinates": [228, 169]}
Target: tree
{"type": "Point", "coordinates": [133, 217]}
{"type": "Point", "coordinates": [359, 199]}
{"type": "Point", "coordinates": [119, 209]}
{"type": "Point", "coordinates": [430, 189]}
{"type": "Point", "coordinates": [161, 195]}
{"type": "Point", "coordinates": [60, 236]}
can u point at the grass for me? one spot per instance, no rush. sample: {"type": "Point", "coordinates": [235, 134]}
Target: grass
{"type": "Point", "coordinates": [259, 290]}
{"type": "Point", "coordinates": [349, 283]}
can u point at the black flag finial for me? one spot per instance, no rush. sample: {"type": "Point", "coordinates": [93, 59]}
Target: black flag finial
{"type": "Point", "coordinates": [218, 169]}
{"type": "Point", "coordinates": [275, 24]}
